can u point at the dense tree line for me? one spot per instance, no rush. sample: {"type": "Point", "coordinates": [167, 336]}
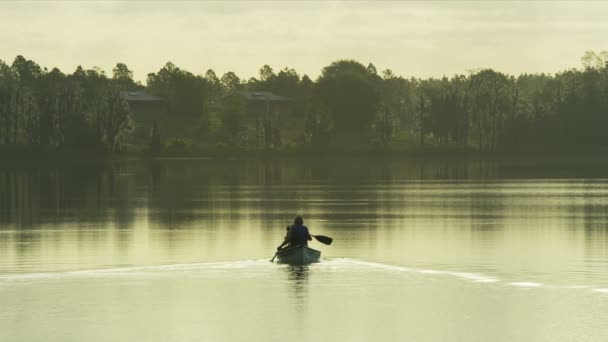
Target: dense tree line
{"type": "Point", "coordinates": [348, 105]}
{"type": "Point", "coordinates": [52, 110]}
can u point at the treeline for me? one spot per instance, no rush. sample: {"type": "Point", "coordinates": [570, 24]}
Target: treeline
{"type": "Point", "coordinates": [49, 109]}
{"type": "Point", "coordinates": [349, 105]}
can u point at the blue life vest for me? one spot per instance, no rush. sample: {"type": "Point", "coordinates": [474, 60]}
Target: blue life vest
{"type": "Point", "coordinates": [298, 235]}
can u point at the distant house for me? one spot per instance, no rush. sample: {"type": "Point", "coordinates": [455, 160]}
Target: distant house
{"type": "Point", "coordinates": [142, 103]}
{"type": "Point", "coordinates": [266, 103]}
{"type": "Point", "coordinates": [268, 111]}
{"type": "Point", "coordinates": [264, 96]}
{"type": "Point", "coordinates": [147, 110]}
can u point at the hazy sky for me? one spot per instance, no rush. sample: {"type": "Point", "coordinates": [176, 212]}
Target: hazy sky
{"type": "Point", "coordinates": [411, 38]}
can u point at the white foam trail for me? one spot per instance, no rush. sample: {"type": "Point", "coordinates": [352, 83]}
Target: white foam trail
{"type": "Point", "coordinates": [227, 266]}
{"type": "Point", "coordinates": [578, 287]}
{"type": "Point", "coordinates": [478, 278]}
{"type": "Point", "coordinates": [130, 271]}
{"type": "Point", "coordinates": [526, 284]}
{"type": "Point", "coordinates": [475, 277]}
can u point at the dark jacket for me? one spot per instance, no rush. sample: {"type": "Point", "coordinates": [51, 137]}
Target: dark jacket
{"type": "Point", "coordinates": [298, 235]}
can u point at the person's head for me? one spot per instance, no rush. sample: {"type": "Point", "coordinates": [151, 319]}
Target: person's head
{"type": "Point", "coordinates": [298, 220]}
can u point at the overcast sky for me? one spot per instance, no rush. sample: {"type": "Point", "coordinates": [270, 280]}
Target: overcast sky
{"type": "Point", "coordinates": [412, 38]}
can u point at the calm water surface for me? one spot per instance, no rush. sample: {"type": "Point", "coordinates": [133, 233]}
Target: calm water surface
{"type": "Point", "coordinates": [178, 251]}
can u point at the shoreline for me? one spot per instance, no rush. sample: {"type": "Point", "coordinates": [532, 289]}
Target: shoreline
{"type": "Point", "coordinates": [430, 153]}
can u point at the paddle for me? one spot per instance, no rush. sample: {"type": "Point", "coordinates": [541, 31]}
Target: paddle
{"type": "Point", "coordinates": [275, 255]}
{"type": "Point", "coordinates": [323, 239]}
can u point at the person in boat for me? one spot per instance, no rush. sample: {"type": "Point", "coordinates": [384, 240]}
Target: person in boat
{"type": "Point", "coordinates": [297, 234]}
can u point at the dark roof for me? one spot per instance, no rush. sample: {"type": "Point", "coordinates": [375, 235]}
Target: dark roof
{"type": "Point", "coordinates": [139, 95]}
{"type": "Point", "coordinates": [263, 96]}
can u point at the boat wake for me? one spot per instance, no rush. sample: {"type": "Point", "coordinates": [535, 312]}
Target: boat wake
{"type": "Point", "coordinates": [133, 271]}
{"type": "Point", "coordinates": [341, 263]}
{"type": "Point", "coordinates": [261, 268]}
{"type": "Point", "coordinates": [354, 263]}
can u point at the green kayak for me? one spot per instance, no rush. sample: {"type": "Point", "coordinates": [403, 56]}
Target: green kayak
{"type": "Point", "coordinates": [298, 255]}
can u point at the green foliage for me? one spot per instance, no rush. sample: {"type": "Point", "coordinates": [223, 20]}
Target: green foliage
{"type": "Point", "coordinates": [29, 72]}
{"type": "Point", "coordinates": [184, 92]}
{"type": "Point", "coordinates": [318, 126]}
{"type": "Point", "coordinates": [123, 77]}
{"type": "Point", "coordinates": [230, 81]}
{"type": "Point", "coordinates": [348, 105]}
{"type": "Point", "coordinates": [233, 117]}
{"type": "Point", "coordinates": [266, 73]}
{"type": "Point", "coordinates": [352, 95]}
{"type": "Point", "coordinates": [155, 142]}
{"type": "Point", "coordinates": [116, 121]}
{"type": "Point", "coordinates": [592, 60]}
{"type": "Point", "coordinates": [54, 110]}
{"type": "Point", "coordinates": [385, 126]}
{"type": "Point", "coordinates": [177, 146]}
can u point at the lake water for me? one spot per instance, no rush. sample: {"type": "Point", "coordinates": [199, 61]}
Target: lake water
{"type": "Point", "coordinates": [178, 250]}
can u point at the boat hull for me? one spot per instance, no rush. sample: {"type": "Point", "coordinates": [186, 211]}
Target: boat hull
{"type": "Point", "coordinates": [298, 255]}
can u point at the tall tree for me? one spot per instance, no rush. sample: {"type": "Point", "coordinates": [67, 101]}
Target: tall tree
{"type": "Point", "coordinates": [352, 96]}
{"type": "Point", "coordinates": [230, 81]}
{"type": "Point", "coordinates": [123, 77]}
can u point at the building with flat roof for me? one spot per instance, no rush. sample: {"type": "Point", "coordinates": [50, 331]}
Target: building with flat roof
{"type": "Point", "coordinates": [147, 110]}
{"type": "Point", "coordinates": [268, 112]}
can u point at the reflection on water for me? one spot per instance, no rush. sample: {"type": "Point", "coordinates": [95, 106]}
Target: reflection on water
{"type": "Point", "coordinates": [95, 192]}
{"type": "Point", "coordinates": [298, 281]}
{"type": "Point", "coordinates": [298, 275]}
{"type": "Point", "coordinates": [451, 214]}
{"type": "Point", "coordinates": [480, 247]}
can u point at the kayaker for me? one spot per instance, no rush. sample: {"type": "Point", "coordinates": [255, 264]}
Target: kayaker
{"type": "Point", "coordinates": [297, 234]}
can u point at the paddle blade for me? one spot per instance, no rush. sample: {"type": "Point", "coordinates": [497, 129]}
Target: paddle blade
{"type": "Point", "coordinates": [323, 239]}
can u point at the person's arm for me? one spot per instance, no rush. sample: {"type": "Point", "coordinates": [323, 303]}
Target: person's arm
{"type": "Point", "coordinates": [309, 237]}
{"type": "Point", "coordinates": [287, 239]}
{"type": "Point", "coordinates": [283, 244]}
